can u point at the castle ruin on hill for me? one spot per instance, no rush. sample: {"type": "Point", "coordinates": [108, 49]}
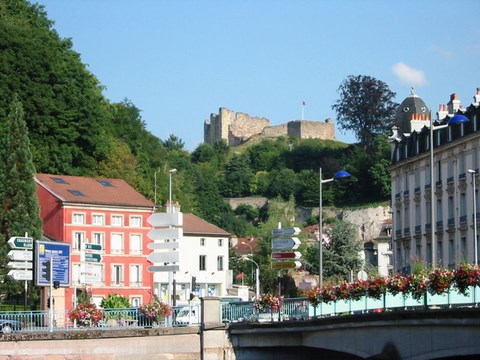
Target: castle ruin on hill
{"type": "Point", "coordinates": [237, 128]}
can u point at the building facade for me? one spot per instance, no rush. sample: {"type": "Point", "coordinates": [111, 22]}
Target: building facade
{"type": "Point", "coordinates": [104, 212]}
{"type": "Point", "coordinates": [203, 263]}
{"type": "Point", "coordinates": [456, 163]}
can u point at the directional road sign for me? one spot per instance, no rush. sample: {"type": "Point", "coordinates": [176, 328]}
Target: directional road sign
{"type": "Point", "coordinates": [286, 231]}
{"type": "Point", "coordinates": [167, 233]}
{"type": "Point", "coordinates": [17, 242]}
{"type": "Point", "coordinates": [167, 268]}
{"type": "Point", "coordinates": [96, 247]}
{"type": "Point", "coordinates": [287, 255]}
{"type": "Point", "coordinates": [286, 265]}
{"type": "Point", "coordinates": [21, 274]}
{"type": "Point", "coordinates": [20, 255]}
{"type": "Point", "coordinates": [20, 265]}
{"type": "Point", "coordinates": [285, 243]}
{"type": "Point", "coordinates": [164, 257]}
{"type": "Point", "coordinates": [163, 245]}
{"type": "Point", "coordinates": [166, 219]}
{"type": "Point", "coordinates": [93, 257]}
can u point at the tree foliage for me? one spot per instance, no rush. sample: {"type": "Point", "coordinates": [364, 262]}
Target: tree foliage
{"type": "Point", "coordinates": [366, 107]}
{"type": "Point", "coordinates": [19, 209]}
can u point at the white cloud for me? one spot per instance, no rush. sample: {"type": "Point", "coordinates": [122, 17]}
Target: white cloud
{"type": "Point", "coordinates": [408, 75]}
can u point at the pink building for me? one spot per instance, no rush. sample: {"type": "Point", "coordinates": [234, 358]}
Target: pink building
{"type": "Point", "coordinates": [106, 212]}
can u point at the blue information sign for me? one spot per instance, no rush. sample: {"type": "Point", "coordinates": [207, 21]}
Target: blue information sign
{"type": "Point", "coordinates": [52, 258]}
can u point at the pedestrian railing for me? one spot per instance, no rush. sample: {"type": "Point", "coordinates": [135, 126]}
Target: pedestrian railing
{"type": "Point", "coordinates": [190, 315]}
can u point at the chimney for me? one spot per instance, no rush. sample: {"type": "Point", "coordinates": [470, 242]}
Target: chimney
{"type": "Point", "coordinates": [476, 98]}
{"type": "Point", "coordinates": [454, 104]}
{"type": "Point", "coordinates": [442, 111]}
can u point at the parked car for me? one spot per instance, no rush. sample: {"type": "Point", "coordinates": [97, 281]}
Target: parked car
{"type": "Point", "coordinates": [7, 326]}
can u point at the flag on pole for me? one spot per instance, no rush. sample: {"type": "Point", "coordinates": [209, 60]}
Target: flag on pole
{"type": "Point", "coordinates": [240, 276]}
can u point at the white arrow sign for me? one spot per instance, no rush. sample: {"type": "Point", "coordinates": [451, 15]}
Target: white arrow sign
{"type": "Point", "coordinates": [20, 265]}
{"type": "Point", "coordinates": [166, 219]}
{"type": "Point", "coordinates": [168, 233]}
{"type": "Point", "coordinates": [20, 255]}
{"type": "Point", "coordinates": [163, 245]}
{"type": "Point", "coordinates": [167, 268]}
{"type": "Point", "coordinates": [286, 231]}
{"type": "Point", "coordinates": [164, 257]}
{"type": "Point", "coordinates": [21, 274]}
{"type": "Point", "coordinates": [285, 243]}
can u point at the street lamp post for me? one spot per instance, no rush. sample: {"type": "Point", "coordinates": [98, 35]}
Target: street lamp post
{"type": "Point", "coordinates": [170, 172]}
{"type": "Point", "coordinates": [475, 250]}
{"type": "Point", "coordinates": [338, 176]}
{"type": "Point", "coordinates": [456, 119]}
{"type": "Point", "coordinates": [257, 271]}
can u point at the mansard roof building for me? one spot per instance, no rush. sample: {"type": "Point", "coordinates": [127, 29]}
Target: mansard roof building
{"type": "Point", "coordinates": [456, 161]}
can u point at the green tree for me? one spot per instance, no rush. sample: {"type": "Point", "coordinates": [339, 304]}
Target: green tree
{"type": "Point", "coordinates": [238, 177]}
{"type": "Point", "coordinates": [340, 254]}
{"type": "Point", "coordinates": [365, 107]}
{"type": "Point", "coordinates": [19, 209]}
{"type": "Point", "coordinates": [174, 143]}
{"type": "Point", "coordinates": [60, 97]}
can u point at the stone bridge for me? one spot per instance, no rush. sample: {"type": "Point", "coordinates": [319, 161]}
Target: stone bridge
{"type": "Point", "coordinates": [414, 335]}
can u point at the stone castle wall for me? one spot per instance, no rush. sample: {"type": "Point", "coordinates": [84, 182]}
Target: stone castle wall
{"type": "Point", "coordinates": [237, 128]}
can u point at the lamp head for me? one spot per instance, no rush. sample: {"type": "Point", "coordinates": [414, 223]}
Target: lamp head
{"type": "Point", "coordinates": [471, 171]}
{"type": "Point", "coordinates": [458, 119]}
{"type": "Point", "coordinates": [342, 174]}
{"type": "Point", "coordinates": [172, 171]}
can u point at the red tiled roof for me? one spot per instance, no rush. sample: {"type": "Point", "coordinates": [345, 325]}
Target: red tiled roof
{"type": "Point", "coordinates": [95, 191]}
{"type": "Point", "coordinates": [193, 225]}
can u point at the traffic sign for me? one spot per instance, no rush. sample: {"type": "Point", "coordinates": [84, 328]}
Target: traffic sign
{"type": "Point", "coordinates": [93, 279]}
{"type": "Point", "coordinates": [287, 255]}
{"type": "Point", "coordinates": [163, 245]}
{"type": "Point", "coordinates": [286, 231]}
{"type": "Point", "coordinates": [93, 257]}
{"type": "Point", "coordinates": [17, 242]}
{"type": "Point", "coordinates": [57, 254]}
{"type": "Point", "coordinates": [164, 257]}
{"type": "Point", "coordinates": [20, 265]}
{"type": "Point", "coordinates": [286, 265]}
{"type": "Point", "coordinates": [167, 233]}
{"type": "Point", "coordinates": [285, 243]}
{"type": "Point", "coordinates": [166, 219]}
{"type": "Point", "coordinates": [167, 268]}
{"type": "Point", "coordinates": [20, 255]}
{"type": "Point", "coordinates": [90, 246]}
{"type": "Point", "coordinates": [21, 274]}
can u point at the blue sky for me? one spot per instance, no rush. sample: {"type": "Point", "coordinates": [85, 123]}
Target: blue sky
{"type": "Point", "coordinates": [179, 61]}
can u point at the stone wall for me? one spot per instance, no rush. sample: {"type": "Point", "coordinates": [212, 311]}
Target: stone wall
{"type": "Point", "coordinates": [237, 128]}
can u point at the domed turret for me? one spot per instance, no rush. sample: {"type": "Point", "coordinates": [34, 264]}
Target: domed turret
{"type": "Point", "coordinates": [412, 108]}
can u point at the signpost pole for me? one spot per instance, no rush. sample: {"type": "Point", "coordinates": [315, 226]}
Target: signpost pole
{"type": "Point", "coordinates": [50, 295]}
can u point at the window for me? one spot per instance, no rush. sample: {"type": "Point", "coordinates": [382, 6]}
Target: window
{"type": "Point", "coordinates": [418, 215]}
{"type": "Point", "coordinates": [78, 240]}
{"type": "Point", "coordinates": [135, 275]}
{"type": "Point", "coordinates": [203, 262]}
{"type": "Point", "coordinates": [451, 209]}
{"type": "Point", "coordinates": [220, 242]}
{"type": "Point", "coordinates": [136, 301]}
{"type": "Point", "coordinates": [117, 275]}
{"type": "Point", "coordinates": [105, 183]}
{"type": "Point", "coordinates": [117, 220]}
{"type": "Point", "coordinates": [76, 273]}
{"type": "Point", "coordinates": [98, 219]}
{"type": "Point", "coordinates": [76, 192]}
{"type": "Point", "coordinates": [463, 249]}
{"type": "Point", "coordinates": [463, 206]}
{"type": "Point", "coordinates": [135, 244]}
{"type": "Point", "coordinates": [439, 211]}
{"type": "Point", "coordinates": [202, 242]}
{"type": "Point", "coordinates": [59, 180]}
{"type": "Point", "coordinates": [99, 239]}
{"type": "Point", "coordinates": [219, 263]}
{"type": "Point", "coordinates": [136, 221]}
{"type": "Point", "coordinates": [451, 253]}
{"type": "Point", "coordinates": [79, 219]}
{"type": "Point", "coordinates": [116, 243]}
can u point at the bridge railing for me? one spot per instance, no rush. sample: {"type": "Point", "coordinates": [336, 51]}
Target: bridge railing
{"type": "Point", "coordinates": [39, 320]}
